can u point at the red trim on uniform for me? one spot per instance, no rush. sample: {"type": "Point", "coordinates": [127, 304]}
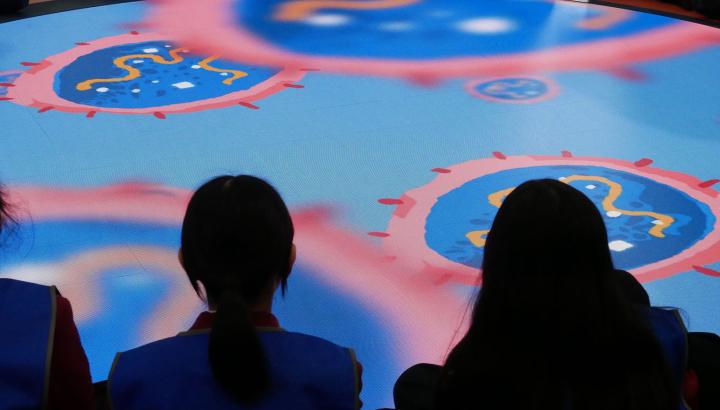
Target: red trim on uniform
{"type": "Point", "coordinates": [691, 389]}
{"type": "Point", "coordinates": [70, 381]}
{"type": "Point", "coordinates": [259, 319]}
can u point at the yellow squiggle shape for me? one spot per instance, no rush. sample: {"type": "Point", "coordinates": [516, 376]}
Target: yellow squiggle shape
{"type": "Point", "coordinates": [498, 197]}
{"type": "Point", "coordinates": [609, 204]}
{"type": "Point", "coordinates": [298, 9]}
{"type": "Point", "coordinates": [133, 72]}
{"type": "Point", "coordinates": [478, 238]}
{"type": "Point", "coordinates": [236, 73]}
{"type": "Point", "coordinates": [609, 19]}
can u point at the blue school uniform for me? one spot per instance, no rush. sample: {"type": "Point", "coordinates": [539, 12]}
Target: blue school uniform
{"type": "Point", "coordinates": [307, 373]}
{"type": "Point", "coordinates": [669, 330]}
{"type": "Point", "coordinates": [27, 313]}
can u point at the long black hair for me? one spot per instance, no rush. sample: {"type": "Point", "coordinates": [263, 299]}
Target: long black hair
{"type": "Point", "coordinates": [6, 218]}
{"type": "Point", "coordinates": [550, 329]}
{"type": "Point", "coordinates": [237, 240]}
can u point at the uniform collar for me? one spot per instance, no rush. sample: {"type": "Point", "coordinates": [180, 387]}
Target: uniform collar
{"type": "Point", "coordinates": [258, 319]}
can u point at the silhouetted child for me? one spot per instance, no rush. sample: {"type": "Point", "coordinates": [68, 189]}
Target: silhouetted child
{"type": "Point", "coordinates": [237, 250]}
{"type": "Point", "coordinates": [42, 362]}
{"type": "Point", "coordinates": [550, 327]}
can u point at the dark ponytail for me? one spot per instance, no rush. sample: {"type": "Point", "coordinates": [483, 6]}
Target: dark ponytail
{"type": "Point", "coordinates": [237, 241]}
{"type": "Point", "coordinates": [235, 353]}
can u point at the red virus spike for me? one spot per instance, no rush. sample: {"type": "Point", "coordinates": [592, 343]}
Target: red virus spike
{"type": "Point", "coordinates": [159, 115]}
{"type": "Point", "coordinates": [708, 183]}
{"type": "Point", "coordinates": [309, 69]}
{"type": "Point", "coordinates": [291, 85]}
{"type": "Point", "coordinates": [249, 105]}
{"type": "Point", "coordinates": [29, 63]}
{"type": "Point", "coordinates": [707, 271]}
{"type": "Point", "coordinates": [499, 155]}
{"type": "Point", "coordinates": [134, 26]}
{"type": "Point", "coordinates": [628, 74]}
{"type": "Point", "coordinates": [643, 162]}
{"type": "Point", "coordinates": [442, 279]}
{"type": "Point", "coordinates": [5, 98]}
{"type": "Point", "coordinates": [567, 154]}
{"type": "Point", "coordinates": [441, 170]}
{"type": "Point", "coordinates": [90, 114]}
{"type": "Point", "coordinates": [82, 43]}
{"type": "Point", "coordinates": [134, 33]}
{"type": "Point", "coordinates": [425, 80]}
{"type": "Point", "coordinates": [46, 109]}
{"type": "Point", "coordinates": [7, 85]}
{"type": "Point", "coordinates": [391, 201]}
{"type": "Point", "coordinates": [379, 234]}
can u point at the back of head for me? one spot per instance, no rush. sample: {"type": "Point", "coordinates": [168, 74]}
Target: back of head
{"type": "Point", "coordinates": [546, 236]}
{"type": "Point", "coordinates": [237, 241]}
{"type": "Point", "coordinates": [549, 327]}
{"type": "Point", "coordinates": [631, 289]}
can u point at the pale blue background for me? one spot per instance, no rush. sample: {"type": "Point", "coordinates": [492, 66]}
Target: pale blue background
{"type": "Point", "coordinates": [348, 141]}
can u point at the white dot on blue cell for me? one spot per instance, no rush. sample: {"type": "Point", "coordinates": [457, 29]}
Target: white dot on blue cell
{"type": "Point", "coordinates": [102, 89]}
{"type": "Point", "coordinates": [327, 20]}
{"type": "Point", "coordinates": [195, 66]}
{"type": "Point", "coordinates": [155, 81]}
{"type": "Point", "coordinates": [135, 90]}
{"type": "Point", "coordinates": [486, 25]}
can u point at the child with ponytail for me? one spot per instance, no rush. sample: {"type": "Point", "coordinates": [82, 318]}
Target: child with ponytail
{"type": "Point", "coordinates": [237, 250]}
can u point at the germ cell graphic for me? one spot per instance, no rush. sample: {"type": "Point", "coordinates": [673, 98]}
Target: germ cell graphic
{"type": "Point", "coordinates": [659, 222]}
{"type": "Point", "coordinates": [143, 73]}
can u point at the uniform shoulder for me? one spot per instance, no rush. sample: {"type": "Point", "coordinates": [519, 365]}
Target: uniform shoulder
{"type": "Point", "coordinates": [298, 337]}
